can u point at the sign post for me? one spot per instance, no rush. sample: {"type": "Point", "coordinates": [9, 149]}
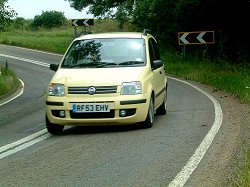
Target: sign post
{"type": "Point", "coordinates": [82, 22]}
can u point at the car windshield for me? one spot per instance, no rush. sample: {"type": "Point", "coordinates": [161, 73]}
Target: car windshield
{"type": "Point", "coordinates": [97, 53]}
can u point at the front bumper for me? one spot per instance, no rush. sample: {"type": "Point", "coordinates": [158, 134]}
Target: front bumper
{"type": "Point", "coordinates": [135, 107]}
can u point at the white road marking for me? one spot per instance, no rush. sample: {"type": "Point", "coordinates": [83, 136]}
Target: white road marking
{"type": "Point", "coordinates": [18, 95]}
{"type": "Point", "coordinates": [199, 153]}
{"type": "Point", "coordinates": [21, 144]}
{"type": "Point", "coordinates": [26, 60]}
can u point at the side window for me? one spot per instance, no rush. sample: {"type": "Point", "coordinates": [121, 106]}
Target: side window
{"type": "Point", "coordinates": [153, 51]}
{"type": "Point", "coordinates": [156, 49]}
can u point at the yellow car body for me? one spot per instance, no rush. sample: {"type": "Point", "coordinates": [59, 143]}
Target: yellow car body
{"type": "Point", "coordinates": [91, 92]}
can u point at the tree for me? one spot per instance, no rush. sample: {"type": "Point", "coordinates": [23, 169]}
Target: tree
{"type": "Point", "coordinates": [98, 7]}
{"type": "Point", "coordinates": [6, 13]}
{"type": "Point", "coordinates": [49, 19]}
{"type": "Point", "coordinates": [158, 16]}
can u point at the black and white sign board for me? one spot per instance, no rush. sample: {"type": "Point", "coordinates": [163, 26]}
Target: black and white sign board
{"type": "Point", "coordinates": [197, 37]}
{"type": "Point", "coordinates": [82, 22]}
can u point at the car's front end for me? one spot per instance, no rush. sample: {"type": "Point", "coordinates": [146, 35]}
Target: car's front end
{"type": "Point", "coordinates": [97, 96]}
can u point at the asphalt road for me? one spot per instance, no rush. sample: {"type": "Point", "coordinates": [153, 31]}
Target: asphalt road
{"type": "Point", "coordinates": [111, 156]}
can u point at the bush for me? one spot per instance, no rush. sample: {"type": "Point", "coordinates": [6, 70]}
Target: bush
{"type": "Point", "coordinates": [49, 19]}
{"type": "Point", "coordinates": [4, 71]}
{"type": "Point", "coordinates": [8, 80]}
{"type": "Point", "coordinates": [19, 23]}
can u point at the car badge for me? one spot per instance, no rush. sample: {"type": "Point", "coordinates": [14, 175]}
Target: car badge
{"type": "Point", "coordinates": [91, 90]}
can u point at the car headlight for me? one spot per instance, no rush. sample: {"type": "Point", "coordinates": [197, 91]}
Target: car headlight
{"type": "Point", "coordinates": [131, 88]}
{"type": "Point", "coordinates": [56, 89]}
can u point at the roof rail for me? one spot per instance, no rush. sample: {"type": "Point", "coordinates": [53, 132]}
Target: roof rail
{"type": "Point", "coordinates": [146, 31]}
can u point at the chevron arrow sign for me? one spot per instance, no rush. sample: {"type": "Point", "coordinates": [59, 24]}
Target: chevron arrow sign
{"type": "Point", "coordinates": [197, 37]}
{"type": "Point", "coordinates": [82, 22]}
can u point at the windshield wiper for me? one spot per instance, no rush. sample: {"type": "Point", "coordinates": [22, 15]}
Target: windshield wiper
{"type": "Point", "coordinates": [94, 64]}
{"type": "Point", "coordinates": [89, 64]}
{"type": "Point", "coordinates": [131, 62]}
{"type": "Point", "coordinates": [103, 64]}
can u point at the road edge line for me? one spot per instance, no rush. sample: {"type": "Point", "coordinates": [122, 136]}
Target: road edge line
{"type": "Point", "coordinates": [21, 141]}
{"type": "Point", "coordinates": [16, 96]}
{"type": "Point", "coordinates": [24, 145]}
{"type": "Point", "coordinates": [182, 177]}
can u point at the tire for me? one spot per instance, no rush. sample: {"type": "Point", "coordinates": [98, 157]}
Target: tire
{"type": "Point", "coordinates": [54, 128]}
{"type": "Point", "coordinates": [148, 123]}
{"type": "Point", "coordinates": [162, 110]}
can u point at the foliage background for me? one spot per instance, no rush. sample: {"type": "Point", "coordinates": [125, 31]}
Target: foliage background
{"type": "Point", "coordinates": [165, 18]}
{"type": "Point", "coordinates": [6, 13]}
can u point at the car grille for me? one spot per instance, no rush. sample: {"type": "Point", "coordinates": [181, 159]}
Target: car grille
{"type": "Point", "coordinates": [94, 115]}
{"type": "Point", "coordinates": [99, 90]}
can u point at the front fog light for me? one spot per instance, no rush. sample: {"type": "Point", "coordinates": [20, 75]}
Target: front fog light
{"type": "Point", "coordinates": [62, 113]}
{"type": "Point", "coordinates": [58, 113]}
{"type": "Point", "coordinates": [123, 113]}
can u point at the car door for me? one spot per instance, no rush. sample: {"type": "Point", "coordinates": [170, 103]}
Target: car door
{"type": "Point", "coordinates": [159, 73]}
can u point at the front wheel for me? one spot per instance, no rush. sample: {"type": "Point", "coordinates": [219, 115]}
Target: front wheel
{"type": "Point", "coordinates": [148, 123]}
{"type": "Point", "coordinates": [53, 128]}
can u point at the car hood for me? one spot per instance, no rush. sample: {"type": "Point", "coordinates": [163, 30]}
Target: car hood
{"type": "Point", "coordinates": [97, 76]}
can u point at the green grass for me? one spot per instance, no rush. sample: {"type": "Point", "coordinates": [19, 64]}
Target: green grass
{"type": "Point", "coordinates": [8, 80]}
{"type": "Point", "coordinates": [232, 78]}
{"type": "Point", "coordinates": [56, 40]}
{"type": "Point", "coordinates": [242, 171]}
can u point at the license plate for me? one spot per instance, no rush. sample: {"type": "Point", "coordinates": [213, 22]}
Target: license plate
{"type": "Point", "coordinates": [90, 107]}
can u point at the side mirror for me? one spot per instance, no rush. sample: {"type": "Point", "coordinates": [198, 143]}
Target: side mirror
{"type": "Point", "coordinates": [53, 67]}
{"type": "Point", "coordinates": [157, 64]}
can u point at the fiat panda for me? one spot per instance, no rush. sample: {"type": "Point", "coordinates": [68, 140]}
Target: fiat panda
{"type": "Point", "coordinates": [107, 79]}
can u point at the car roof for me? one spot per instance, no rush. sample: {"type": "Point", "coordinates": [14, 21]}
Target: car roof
{"type": "Point", "coordinates": [112, 35]}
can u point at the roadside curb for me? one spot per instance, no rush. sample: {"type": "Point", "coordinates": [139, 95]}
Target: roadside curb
{"type": "Point", "coordinates": [15, 93]}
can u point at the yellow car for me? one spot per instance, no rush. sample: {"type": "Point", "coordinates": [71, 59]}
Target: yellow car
{"type": "Point", "coordinates": [107, 79]}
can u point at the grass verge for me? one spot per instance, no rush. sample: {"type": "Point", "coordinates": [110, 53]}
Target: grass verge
{"type": "Point", "coordinates": [8, 80]}
{"type": "Point", "coordinates": [242, 173]}
{"type": "Point", "coordinates": [232, 78]}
